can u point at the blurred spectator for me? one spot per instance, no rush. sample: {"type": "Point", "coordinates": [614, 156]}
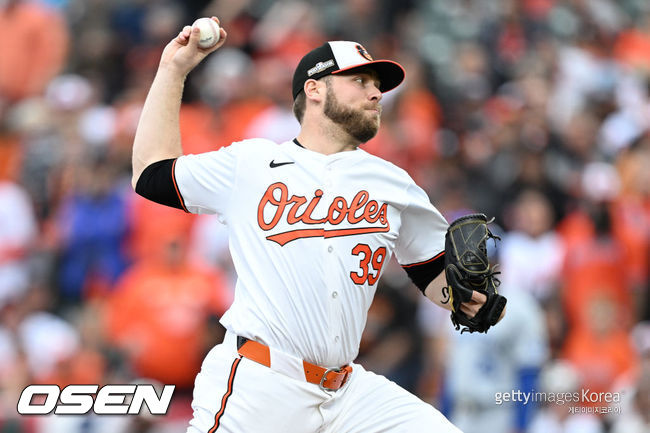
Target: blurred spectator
{"type": "Point", "coordinates": [34, 343]}
{"type": "Point", "coordinates": [33, 143]}
{"type": "Point", "coordinates": [412, 118]}
{"type": "Point", "coordinates": [585, 74]}
{"type": "Point", "coordinates": [631, 221]}
{"type": "Point", "coordinates": [93, 228]}
{"type": "Point", "coordinates": [531, 254]}
{"type": "Point", "coordinates": [34, 335]}
{"type": "Point", "coordinates": [148, 220]}
{"type": "Point", "coordinates": [285, 29]}
{"type": "Point", "coordinates": [390, 344]}
{"type": "Point", "coordinates": [34, 44]}
{"type": "Point", "coordinates": [558, 378]}
{"type": "Point", "coordinates": [634, 413]}
{"type": "Point", "coordinates": [277, 122]}
{"type": "Point", "coordinates": [200, 128]}
{"type": "Point", "coordinates": [633, 43]}
{"type": "Point", "coordinates": [18, 230]}
{"type": "Point", "coordinates": [507, 358]}
{"type": "Point", "coordinates": [571, 151]}
{"type": "Point", "coordinates": [160, 314]}
{"type": "Point", "coordinates": [637, 419]}
{"type": "Point", "coordinates": [209, 245]}
{"type": "Point", "coordinates": [626, 123]}
{"type": "Point", "coordinates": [597, 303]}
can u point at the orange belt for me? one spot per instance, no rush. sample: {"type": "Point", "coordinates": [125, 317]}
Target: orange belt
{"type": "Point", "coordinates": [329, 379]}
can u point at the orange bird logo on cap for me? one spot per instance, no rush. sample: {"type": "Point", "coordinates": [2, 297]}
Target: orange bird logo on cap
{"type": "Point", "coordinates": [364, 53]}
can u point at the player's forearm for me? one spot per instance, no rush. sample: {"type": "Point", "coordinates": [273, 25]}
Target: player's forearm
{"type": "Point", "coordinates": [438, 292]}
{"type": "Point", "coordinates": [158, 134]}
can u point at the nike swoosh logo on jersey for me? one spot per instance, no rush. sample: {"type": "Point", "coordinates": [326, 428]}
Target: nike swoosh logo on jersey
{"type": "Point", "coordinates": [274, 164]}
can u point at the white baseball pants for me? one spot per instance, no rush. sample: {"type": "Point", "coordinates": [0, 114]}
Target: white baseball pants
{"type": "Point", "coordinates": [236, 395]}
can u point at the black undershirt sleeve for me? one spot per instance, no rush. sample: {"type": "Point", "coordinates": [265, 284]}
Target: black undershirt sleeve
{"type": "Point", "coordinates": [157, 183]}
{"type": "Point", "coordinates": [423, 273]}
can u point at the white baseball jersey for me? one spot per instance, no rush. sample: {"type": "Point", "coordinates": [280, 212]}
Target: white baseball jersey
{"type": "Point", "coordinates": [309, 235]}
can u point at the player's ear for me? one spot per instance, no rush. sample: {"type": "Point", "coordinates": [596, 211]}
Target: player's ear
{"type": "Point", "coordinates": [314, 90]}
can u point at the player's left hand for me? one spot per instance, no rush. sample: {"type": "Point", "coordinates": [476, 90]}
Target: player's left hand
{"type": "Point", "coordinates": [475, 302]}
{"type": "Point", "coordinates": [472, 307]}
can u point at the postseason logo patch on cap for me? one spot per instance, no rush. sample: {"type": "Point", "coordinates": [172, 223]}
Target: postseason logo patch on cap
{"type": "Point", "coordinates": [320, 66]}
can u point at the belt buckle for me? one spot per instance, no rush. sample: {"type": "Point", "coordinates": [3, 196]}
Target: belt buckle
{"type": "Point", "coordinates": [324, 378]}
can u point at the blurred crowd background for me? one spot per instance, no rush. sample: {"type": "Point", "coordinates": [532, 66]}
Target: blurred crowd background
{"type": "Point", "coordinates": [536, 112]}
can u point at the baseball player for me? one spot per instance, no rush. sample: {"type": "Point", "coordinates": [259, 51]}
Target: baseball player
{"type": "Point", "coordinates": [312, 222]}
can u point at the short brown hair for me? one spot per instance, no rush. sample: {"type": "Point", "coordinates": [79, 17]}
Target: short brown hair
{"type": "Point", "coordinates": [299, 105]}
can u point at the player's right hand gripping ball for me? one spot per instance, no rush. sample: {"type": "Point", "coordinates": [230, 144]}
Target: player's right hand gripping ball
{"type": "Point", "coordinates": [467, 269]}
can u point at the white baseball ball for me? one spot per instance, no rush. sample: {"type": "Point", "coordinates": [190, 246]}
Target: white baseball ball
{"type": "Point", "coordinates": [210, 32]}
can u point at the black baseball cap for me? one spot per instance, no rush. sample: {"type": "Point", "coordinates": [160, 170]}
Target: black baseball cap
{"type": "Point", "coordinates": [339, 56]}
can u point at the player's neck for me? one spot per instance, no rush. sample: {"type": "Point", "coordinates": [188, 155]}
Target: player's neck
{"type": "Point", "coordinates": [325, 137]}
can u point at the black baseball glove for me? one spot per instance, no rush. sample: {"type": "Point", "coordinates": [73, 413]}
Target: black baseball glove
{"type": "Point", "coordinates": [467, 269]}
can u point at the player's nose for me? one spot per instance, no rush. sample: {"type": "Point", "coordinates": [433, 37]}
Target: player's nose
{"type": "Point", "coordinates": [374, 94]}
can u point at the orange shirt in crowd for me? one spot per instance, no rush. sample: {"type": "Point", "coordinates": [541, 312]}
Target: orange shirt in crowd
{"type": "Point", "coordinates": [236, 117]}
{"type": "Point", "coordinates": [11, 157]}
{"type": "Point", "coordinates": [601, 361]}
{"type": "Point", "coordinates": [84, 366]}
{"type": "Point", "coordinates": [598, 306]}
{"type": "Point", "coordinates": [149, 220]}
{"type": "Point", "coordinates": [593, 271]}
{"type": "Point", "coordinates": [158, 316]}
{"type": "Point", "coordinates": [34, 44]}
{"type": "Point", "coordinates": [199, 129]}
{"type": "Point", "coordinates": [632, 48]}
{"type": "Point", "coordinates": [420, 115]}
{"type": "Point", "coordinates": [631, 226]}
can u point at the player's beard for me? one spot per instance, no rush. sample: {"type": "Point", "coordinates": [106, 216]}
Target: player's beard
{"type": "Point", "coordinates": [355, 122]}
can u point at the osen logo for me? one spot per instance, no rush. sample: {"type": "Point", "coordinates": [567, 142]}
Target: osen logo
{"type": "Point", "coordinates": [80, 399]}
